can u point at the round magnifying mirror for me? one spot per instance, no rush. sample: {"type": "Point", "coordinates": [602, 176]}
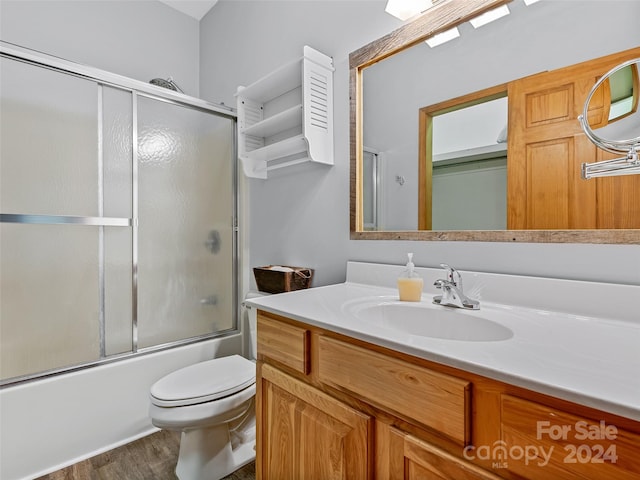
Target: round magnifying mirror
{"type": "Point", "coordinates": [611, 120]}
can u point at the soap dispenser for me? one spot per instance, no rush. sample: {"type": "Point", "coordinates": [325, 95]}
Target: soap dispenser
{"type": "Point", "coordinates": [410, 283]}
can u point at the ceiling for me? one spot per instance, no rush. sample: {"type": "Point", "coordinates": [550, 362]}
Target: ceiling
{"type": "Point", "coordinates": [194, 8]}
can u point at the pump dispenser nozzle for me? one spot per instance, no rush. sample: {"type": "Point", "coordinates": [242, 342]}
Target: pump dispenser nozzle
{"type": "Point", "coordinates": [410, 283]}
{"type": "Point", "coordinates": [410, 265]}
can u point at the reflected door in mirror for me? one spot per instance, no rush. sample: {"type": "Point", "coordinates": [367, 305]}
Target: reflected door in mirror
{"type": "Point", "coordinates": [547, 147]}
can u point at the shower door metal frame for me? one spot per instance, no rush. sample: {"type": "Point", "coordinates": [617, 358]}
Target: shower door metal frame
{"type": "Point", "coordinates": [136, 88]}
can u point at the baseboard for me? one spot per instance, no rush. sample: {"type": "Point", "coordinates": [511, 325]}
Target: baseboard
{"type": "Point", "coordinates": [107, 448]}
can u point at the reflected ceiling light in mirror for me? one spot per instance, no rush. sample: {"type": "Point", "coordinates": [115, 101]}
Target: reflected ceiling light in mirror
{"type": "Point", "coordinates": [490, 16]}
{"type": "Point", "coordinates": [443, 37]}
{"type": "Point", "coordinates": [405, 9]}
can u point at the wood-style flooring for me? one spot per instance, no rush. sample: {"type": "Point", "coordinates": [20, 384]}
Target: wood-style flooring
{"type": "Point", "coordinates": [150, 458]}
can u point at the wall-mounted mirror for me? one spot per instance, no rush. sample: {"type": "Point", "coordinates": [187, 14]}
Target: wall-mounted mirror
{"type": "Point", "coordinates": [617, 129]}
{"type": "Point", "coordinates": [398, 81]}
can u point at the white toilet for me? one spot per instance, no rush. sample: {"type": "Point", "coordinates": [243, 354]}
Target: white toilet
{"type": "Point", "coordinates": [212, 404]}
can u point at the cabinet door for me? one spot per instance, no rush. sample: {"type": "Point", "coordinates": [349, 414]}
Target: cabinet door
{"type": "Point", "coordinates": [305, 434]}
{"type": "Point", "coordinates": [400, 456]}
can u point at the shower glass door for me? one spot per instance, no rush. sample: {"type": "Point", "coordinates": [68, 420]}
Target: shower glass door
{"type": "Point", "coordinates": [185, 234]}
{"type": "Point", "coordinates": [116, 229]}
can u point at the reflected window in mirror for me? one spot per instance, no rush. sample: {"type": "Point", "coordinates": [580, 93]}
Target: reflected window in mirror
{"type": "Point", "coordinates": [623, 100]}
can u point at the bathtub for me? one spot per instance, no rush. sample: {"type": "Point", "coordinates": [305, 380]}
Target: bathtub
{"type": "Point", "coordinates": [55, 422]}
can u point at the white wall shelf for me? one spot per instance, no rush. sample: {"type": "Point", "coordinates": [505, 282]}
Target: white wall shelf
{"type": "Point", "coordinates": [279, 122]}
{"type": "Point", "coordinates": [286, 117]}
{"type": "Point", "coordinates": [288, 146]}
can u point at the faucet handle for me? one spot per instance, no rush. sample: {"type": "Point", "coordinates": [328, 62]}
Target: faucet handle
{"type": "Point", "coordinates": [453, 275]}
{"type": "Point", "coordinates": [439, 284]}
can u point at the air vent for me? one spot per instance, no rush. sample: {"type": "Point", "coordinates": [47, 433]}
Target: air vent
{"type": "Point", "coordinates": [318, 100]}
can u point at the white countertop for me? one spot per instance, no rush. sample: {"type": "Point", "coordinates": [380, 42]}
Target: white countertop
{"type": "Point", "coordinates": [589, 360]}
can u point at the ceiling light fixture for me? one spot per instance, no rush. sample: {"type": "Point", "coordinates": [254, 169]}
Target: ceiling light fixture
{"type": "Point", "coordinates": [443, 37]}
{"type": "Point", "coordinates": [405, 9]}
{"type": "Point", "coordinates": [490, 16]}
{"type": "Point", "coordinates": [530, 2]}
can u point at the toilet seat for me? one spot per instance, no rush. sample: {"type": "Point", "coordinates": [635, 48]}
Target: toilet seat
{"type": "Point", "coordinates": [204, 382]}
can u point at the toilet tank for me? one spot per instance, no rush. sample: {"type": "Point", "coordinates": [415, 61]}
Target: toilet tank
{"type": "Point", "coordinates": [252, 325]}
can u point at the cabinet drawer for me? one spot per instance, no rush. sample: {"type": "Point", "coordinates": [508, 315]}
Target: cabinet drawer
{"type": "Point", "coordinates": [561, 445]}
{"type": "Point", "coordinates": [436, 400]}
{"type": "Point", "coordinates": [283, 343]}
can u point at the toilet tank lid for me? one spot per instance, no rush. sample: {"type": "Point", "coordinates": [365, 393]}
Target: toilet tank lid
{"type": "Point", "coordinates": [204, 382]}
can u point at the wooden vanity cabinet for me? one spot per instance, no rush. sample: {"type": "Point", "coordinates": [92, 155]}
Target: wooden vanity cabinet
{"type": "Point", "coordinates": [330, 406]}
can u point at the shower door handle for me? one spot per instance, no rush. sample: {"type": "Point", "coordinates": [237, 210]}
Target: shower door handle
{"type": "Point", "coordinates": [213, 241]}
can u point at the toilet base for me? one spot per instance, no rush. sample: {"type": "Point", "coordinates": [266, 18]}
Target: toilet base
{"type": "Point", "coordinates": [213, 453]}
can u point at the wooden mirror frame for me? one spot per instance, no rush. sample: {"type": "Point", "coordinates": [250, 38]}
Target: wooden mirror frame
{"type": "Point", "coordinates": [441, 17]}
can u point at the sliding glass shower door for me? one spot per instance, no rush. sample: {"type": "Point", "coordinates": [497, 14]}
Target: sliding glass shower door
{"type": "Point", "coordinates": [185, 234]}
{"type": "Point", "coordinates": [117, 230]}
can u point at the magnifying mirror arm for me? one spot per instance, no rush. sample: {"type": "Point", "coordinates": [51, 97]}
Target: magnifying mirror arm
{"type": "Point", "coordinates": [628, 165]}
{"type": "Point", "coordinates": [619, 166]}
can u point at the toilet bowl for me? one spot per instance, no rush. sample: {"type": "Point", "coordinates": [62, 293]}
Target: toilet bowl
{"type": "Point", "coordinates": [212, 404]}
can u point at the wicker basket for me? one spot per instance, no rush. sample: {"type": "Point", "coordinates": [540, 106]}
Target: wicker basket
{"type": "Point", "coordinates": [275, 281]}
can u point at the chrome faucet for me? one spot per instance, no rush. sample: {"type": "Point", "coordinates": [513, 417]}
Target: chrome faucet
{"type": "Point", "coordinates": [452, 295]}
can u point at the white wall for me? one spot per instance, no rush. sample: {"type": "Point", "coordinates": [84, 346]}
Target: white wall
{"type": "Point", "coordinates": [301, 218]}
{"type": "Point", "coordinates": [141, 39]}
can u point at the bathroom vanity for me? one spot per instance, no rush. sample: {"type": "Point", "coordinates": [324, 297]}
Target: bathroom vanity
{"type": "Point", "coordinates": [352, 385]}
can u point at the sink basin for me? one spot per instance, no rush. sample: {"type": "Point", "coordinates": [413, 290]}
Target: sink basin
{"type": "Point", "coordinates": [427, 320]}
